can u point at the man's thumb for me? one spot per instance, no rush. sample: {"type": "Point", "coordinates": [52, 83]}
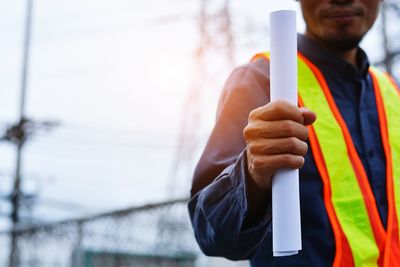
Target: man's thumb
{"type": "Point", "coordinates": [308, 116]}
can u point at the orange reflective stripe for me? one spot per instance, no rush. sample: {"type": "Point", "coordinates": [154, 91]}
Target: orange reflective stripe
{"type": "Point", "coordinates": [260, 55]}
{"type": "Point", "coordinates": [347, 196]}
{"type": "Point", "coordinates": [395, 136]}
{"type": "Point", "coordinates": [379, 247]}
{"type": "Point", "coordinates": [343, 255]}
{"type": "Point", "coordinates": [392, 246]}
{"type": "Point", "coordinates": [363, 182]}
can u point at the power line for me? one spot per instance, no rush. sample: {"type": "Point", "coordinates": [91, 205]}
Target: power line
{"type": "Point", "coordinates": [63, 205]}
{"type": "Point", "coordinates": [96, 129]}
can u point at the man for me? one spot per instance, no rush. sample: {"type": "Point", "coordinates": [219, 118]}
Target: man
{"type": "Point", "coordinates": [348, 183]}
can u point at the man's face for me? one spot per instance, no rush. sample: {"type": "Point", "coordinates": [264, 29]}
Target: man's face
{"type": "Point", "coordinates": [339, 24]}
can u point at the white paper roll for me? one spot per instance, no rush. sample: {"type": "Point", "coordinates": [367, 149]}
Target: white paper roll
{"type": "Point", "coordinates": [285, 184]}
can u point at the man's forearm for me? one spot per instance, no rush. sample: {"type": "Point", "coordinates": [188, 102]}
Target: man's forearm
{"type": "Point", "coordinates": [219, 213]}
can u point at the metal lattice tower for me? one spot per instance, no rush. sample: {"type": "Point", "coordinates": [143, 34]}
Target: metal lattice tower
{"type": "Point", "coordinates": [215, 36]}
{"type": "Point", "coordinates": [390, 15]}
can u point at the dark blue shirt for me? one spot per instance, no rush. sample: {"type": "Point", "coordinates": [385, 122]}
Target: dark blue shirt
{"type": "Point", "coordinates": [218, 205]}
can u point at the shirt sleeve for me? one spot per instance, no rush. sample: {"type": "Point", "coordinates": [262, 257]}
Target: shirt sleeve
{"type": "Point", "coordinates": [218, 205]}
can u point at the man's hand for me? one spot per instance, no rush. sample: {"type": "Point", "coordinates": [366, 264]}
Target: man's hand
{"type": "Point", "coordinates": [275, 137]}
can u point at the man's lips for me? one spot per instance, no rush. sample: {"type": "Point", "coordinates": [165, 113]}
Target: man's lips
{"type": "Point", "coordinates": [342, 16]}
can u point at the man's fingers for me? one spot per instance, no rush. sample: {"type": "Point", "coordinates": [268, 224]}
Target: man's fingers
{"type": "Point", "coordinates": [275, 129]}
{"type": "Point", "coordinates": [277, 110]}
{"type": "Point", "coordinates": [283, 110]}
{"type": "Point", "coordinates": [290, 145]}
{"type": "Point", "coordinates": [262, 164]}
{"type": "Point", "coordinates": [275, 136]}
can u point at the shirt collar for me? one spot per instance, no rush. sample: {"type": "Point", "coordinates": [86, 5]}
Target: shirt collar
{"type": "Point", "coordinates": [326, 60]}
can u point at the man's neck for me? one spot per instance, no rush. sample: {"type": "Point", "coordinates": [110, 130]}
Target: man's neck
{"type": "Point", "coordinates": [349, 56]}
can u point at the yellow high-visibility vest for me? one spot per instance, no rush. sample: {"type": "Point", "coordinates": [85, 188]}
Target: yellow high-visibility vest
{"type": "Point", "coordinates": [360, 238]}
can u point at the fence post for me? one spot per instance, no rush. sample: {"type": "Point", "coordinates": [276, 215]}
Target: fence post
{"type": "Point", "coordinates": [77, 256]}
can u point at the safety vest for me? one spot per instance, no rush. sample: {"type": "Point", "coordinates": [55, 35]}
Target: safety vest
{"type": "Point", "coordinates": [360, 238]}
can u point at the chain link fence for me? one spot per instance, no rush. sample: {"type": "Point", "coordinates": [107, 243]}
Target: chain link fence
{"type": "Point", "coordinates": [152, 235]}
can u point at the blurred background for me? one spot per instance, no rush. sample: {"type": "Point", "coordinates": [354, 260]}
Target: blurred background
{"type": "Point", "coordinates": [105, 107]}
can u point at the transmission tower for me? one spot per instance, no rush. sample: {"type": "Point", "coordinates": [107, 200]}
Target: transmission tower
{"type": "Point", "coordinates": [216, 35]}
{"type": "Point", "coordinates": [390, 12]}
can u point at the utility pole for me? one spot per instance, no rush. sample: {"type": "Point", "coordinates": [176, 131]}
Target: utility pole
{"type": "Point", "coordinates": [20, 136]}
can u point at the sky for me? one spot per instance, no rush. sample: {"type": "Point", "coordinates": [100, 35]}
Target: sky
{"type": "Point", "coordinates": [121, 79]}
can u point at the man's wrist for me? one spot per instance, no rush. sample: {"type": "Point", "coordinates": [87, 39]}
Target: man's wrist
{"type": "Point", "coordinates": [258, 200]}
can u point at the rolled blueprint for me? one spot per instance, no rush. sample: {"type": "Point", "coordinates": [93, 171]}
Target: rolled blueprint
{"type": "Point", "coordinates": [285, 183]}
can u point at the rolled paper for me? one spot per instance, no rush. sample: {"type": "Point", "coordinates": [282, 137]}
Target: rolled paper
{"type": "Point", "coordinates": [286, 227]}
